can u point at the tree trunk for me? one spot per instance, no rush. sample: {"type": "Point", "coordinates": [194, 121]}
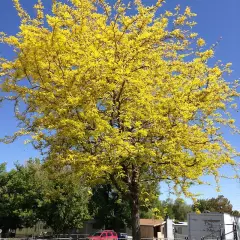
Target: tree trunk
{"type": "Point", "coordinates": [136, 233]}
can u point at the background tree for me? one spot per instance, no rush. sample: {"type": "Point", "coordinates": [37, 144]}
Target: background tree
{"type": "Point", "coordinates": [168, 208]}
{"type": "Point", "coordinates": [108, 209]}
{"type": "Point", "coordinates": [21, 192]}
{"type": "Point", "coordinates": [65, 206]}
{"type": "Point", "coordinates": [236, 213]}
{"type": "Point", "coordinates": [219, 204]}
{"type": "Point", "coordinates": [124, 96]}
{"type": "Point", "coordinates": [7, 219]}
{"type": "Point", "coordinates": [181, 209]}
{"type": "Point", "coordinates": [176, 210]}
{"type": "Point", "coordinates": [150, 204]}
{"type": "Point", "coordinates": [30, 193]}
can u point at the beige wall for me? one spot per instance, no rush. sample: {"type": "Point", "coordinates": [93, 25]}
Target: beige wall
{"type": "Point", "coordinates": [160, 235]}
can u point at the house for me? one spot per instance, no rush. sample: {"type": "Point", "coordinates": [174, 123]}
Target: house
{"type": "Point", "coordinates": [156, 228]}
{"type": "Point", "coordinates": [150, 228]}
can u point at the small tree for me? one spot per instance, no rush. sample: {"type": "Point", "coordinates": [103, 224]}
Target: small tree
{"type": "Point", "coordinates": [116, 93]}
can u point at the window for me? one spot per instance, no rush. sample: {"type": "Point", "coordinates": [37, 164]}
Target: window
{"type": "Point", "coordinates": [114, 234]}
{"type": "Point", "coordinates": [97, 234]}
{"type": "Point", "coordinates": [103, 235]}
{"type": "Point", "coordinates": [109, 234]}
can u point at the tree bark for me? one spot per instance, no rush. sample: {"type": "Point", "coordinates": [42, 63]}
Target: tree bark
{"type": "Point", "coordinates": [135, 213]}
{"type": "Point", "coordinates": [136, 234]}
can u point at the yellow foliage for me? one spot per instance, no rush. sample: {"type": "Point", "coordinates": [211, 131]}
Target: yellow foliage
{"type": "Point", "coordinates": [113, 95]}
{"type": "Point", "coordinates": [200, 42]}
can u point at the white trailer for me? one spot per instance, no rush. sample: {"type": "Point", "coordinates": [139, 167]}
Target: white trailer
{"type": "Point", "coordinates": [220, 226]}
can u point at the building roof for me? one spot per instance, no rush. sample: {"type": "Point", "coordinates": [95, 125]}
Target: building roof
{"type": "Point", "coordinates": [150, 222]}
{"type": "Point", "coordinates": [180, 224]}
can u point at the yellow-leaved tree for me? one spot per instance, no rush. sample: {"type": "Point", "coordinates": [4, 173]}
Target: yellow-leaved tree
{"type": "Point", "coordinates": [120, 93]}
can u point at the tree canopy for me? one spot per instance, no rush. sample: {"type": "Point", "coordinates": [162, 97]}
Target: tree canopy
{"type": "Point", "coordinates": [177, 209]}
{"type": "Point", "coordinates": [218, 204]}
{"type": "Point", "coordinates": [21, 192]}
{"type": "Point", "coordinates": [29, 193]}
{"type": "Point", "coordinates": [118, 91]}
{"type": "Point", "coordinates": [66, 204]}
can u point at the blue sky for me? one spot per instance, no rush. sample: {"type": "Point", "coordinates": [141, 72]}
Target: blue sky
{"type": "Point", "coordinates": [216, 19]}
